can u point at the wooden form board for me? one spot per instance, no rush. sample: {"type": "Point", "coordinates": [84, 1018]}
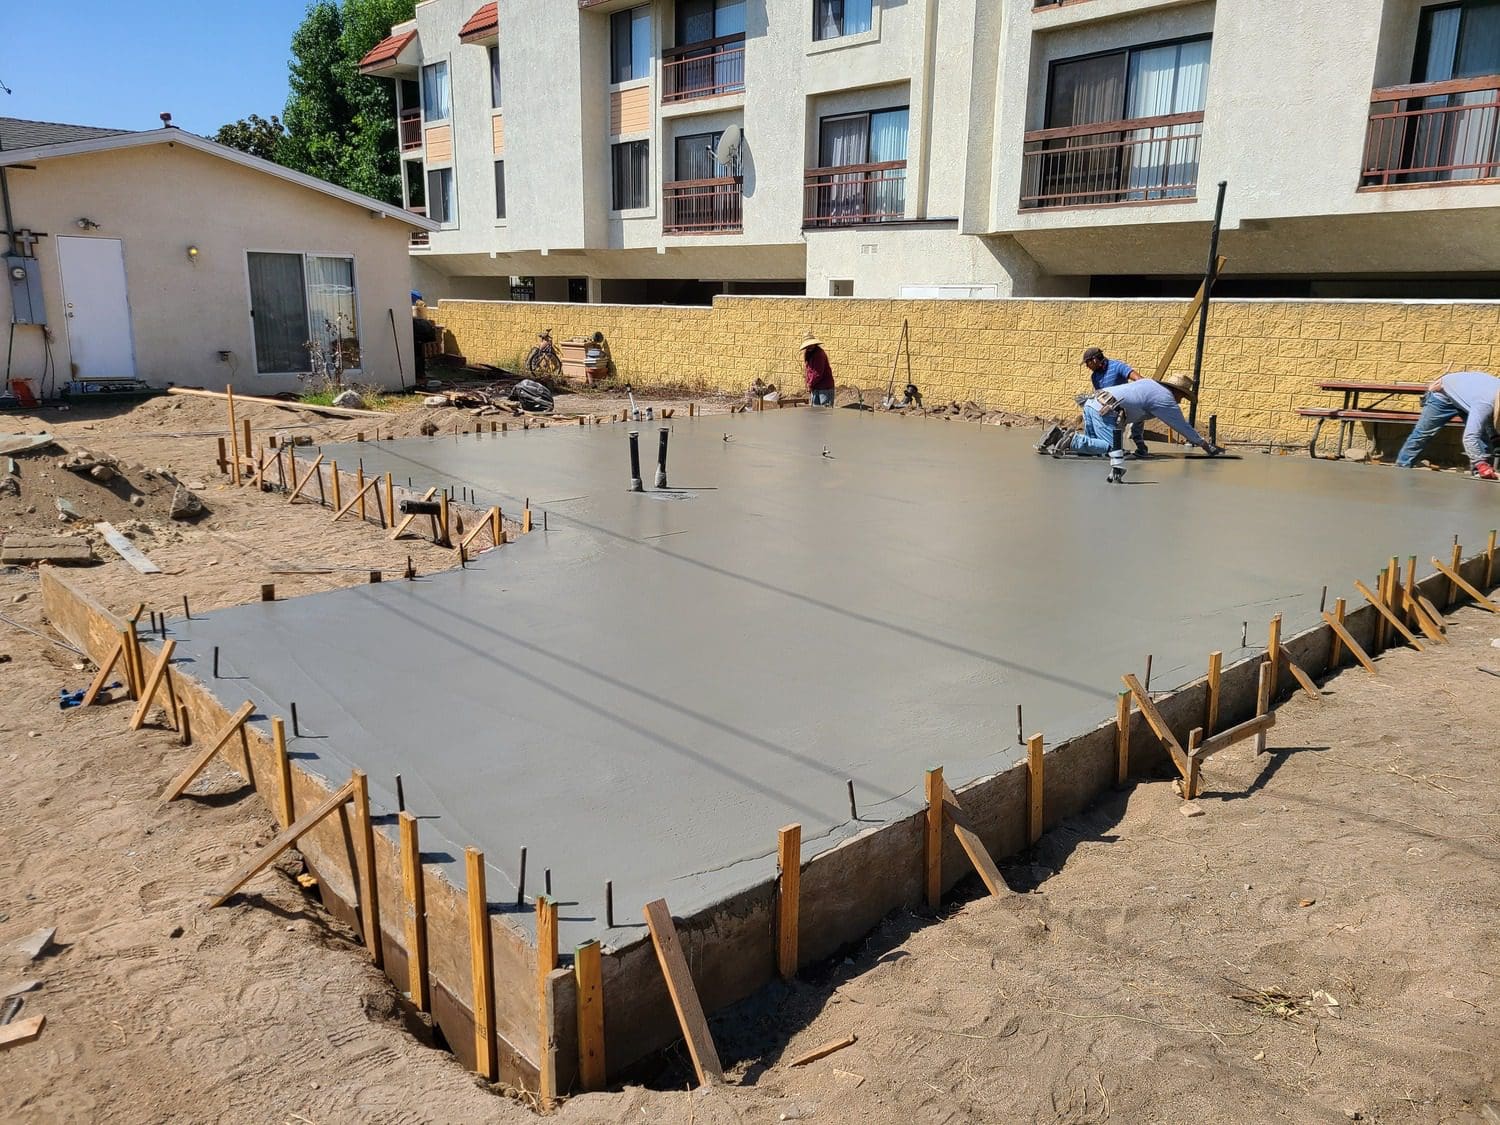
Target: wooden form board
{"type": "Point", "coordinates": [690, 1017]}
{"type": "Point", "coordinates": [126, 549]}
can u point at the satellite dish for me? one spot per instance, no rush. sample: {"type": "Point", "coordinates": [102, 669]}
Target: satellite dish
{"type": "Point", "coordinates": [727, 152]}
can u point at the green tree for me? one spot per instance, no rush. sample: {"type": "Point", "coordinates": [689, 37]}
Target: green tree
{"type": "Point", "coordinates": [340, 124]}
{"type": "Point", "coordinates": [255, 135]}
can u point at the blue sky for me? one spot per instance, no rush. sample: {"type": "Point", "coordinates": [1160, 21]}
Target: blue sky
{"type": "Point", "coordinates": [119, 64]}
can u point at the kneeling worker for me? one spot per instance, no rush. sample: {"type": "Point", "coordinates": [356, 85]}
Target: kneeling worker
{"type": "Point", "coordinates": [1128, 404]}
{"type": "Point", "coordinates": [1473, 395]}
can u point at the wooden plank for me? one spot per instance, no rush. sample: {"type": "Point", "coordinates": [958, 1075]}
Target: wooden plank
{"type": "Point", "coordinates": [284, 840]}
{"type": "Point", "coordinates": [1458, 580]}
{"type": "Point", "coordinates": [287, 799]}
{"type": "Point", "coordinates": [153, 684]}
{"type": "Point", "coordinates": [1336, 650]}
{"type": "Point", "coordinates": [933, 838]}
{"type": "Point", "coordinates": [330, 411]}
{"type": "Point", "coordinates": [1349, 642]}
{"type": "Point", "coordinates": [1273, 652]}
{"type": "Point", "coordinates": [1227, 738]}
{"type": "Point", "coordinates": [1263, 697]}
{"type": "Point", "coordinates": [137, 677]}
{"type": "Point", "coordinates": [1034, 789]}
{"type": "Point", "coordinates": [788, 898]}
{"type": "Point", "coordinates": [674, 968]}
{"type": "Point", "coordinates": [1409, 595]}
{"type": "Point", "coordinates": [406, 522]}
{"type": "Point", "coordinates": [1190, 785]}
{"type": "Point", "coordinates": [1432, 612]}
{"type": "Point", "coordinates": [40, 549]}
{"type": "Point", "coordinates": [481, 967]}
{"type": "Point", "coordinates": [1489, 563]}
{"type": "Point", "coordinates": [234, 434]}
{"type": "Point", "coordinates": [546, 962]}
{"type": "Point", "coordinates": [333, 484]}
{"type": "Point", "coordinates": [479, 528]}
{"type": "Point", "coordinates": [414, 913]}
{"type": "Point", "coordinates": [1158, 724]}
{"type": "Point", "coordinates": [101, 677]}
{"type": "Point", "coordinates": [1215, 680]}
{"type": "Point", "coordinates": [1453, 587]}
{"type": "Point", "coordinates": [1424, 622]}
{"type": "Point", "coordinates": [1386, 612]}
{"type": "Point", "coordinates": [588, 975]}
{"type": "Point", "coordinates": [126, 549]}
{"type": "Point", "coordinates": [1185, 324]}
{"type": "Point", "coordinates": [1122, 738]}
{"type": "Point", "coordinates": [315, 469]}
{"type": "Point", "coordinates": [369, 884]}
{"type": "Point", "coordinates": [1304, 681]}
{"type": "Point", "coordinates": [973, 846]}
{"type": "Point", "coordinates": [823, 1050]}
{"type": "Point", "coordinates": [201, 759]}
{"type": "Point", "coordinates": [359, 484]}
{"type": "Point", "coordinates": [356, 499]}
{"type": "Point", "coordinates": [22, 1031]}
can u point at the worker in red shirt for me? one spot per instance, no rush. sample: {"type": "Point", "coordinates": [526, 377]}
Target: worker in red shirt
{"type": "Point", "coordinates": [818, 370]}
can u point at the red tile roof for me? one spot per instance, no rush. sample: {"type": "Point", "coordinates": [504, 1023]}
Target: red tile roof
{"type": "Point", "coordinates": [483, 23]}
{"type": "Point", "coordinates": [386, 50]}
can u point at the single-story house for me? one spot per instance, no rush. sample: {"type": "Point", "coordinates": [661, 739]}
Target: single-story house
{"type": "Point", "coordinates": [162, 256]}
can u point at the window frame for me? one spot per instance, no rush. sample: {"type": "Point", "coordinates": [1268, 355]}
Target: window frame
{"type": "Point", "coordinates": [615, 78]}
{"type": "Point", "coordinates": [448, 221]}
{"type": "Point", "coordinates": [448, 90]}
{"type": "Point", "coordinates": [845, 37]}
{"type": "Point", "coordinates": [500, 190]}
{"type": "Point", "coordinates": [1424, 35]}
{"type": "Point", "coordinates": [614, 176]}
{"type": "Point", "coordinates": [1176, 41]}
{"type": "Point", "coordinates": [867, 114]}
{"type": "Point", "coordinates": [304, 255]}
{"type": "Point", "coordinates": [497, 90]}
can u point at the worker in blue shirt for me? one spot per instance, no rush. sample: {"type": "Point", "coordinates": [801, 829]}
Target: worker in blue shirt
{"type": "Point", "coordinates": [1106, 372]}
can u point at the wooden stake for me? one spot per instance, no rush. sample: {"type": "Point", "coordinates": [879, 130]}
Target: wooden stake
{"type": "Point", "coordinates": [443, 539]}
{"type": "Point", "coordinates": [1398, 593]}
{"type": "Point", "coordinates": [357, 498]}
{"type": "Point", "coordinates": [1336, 653]}
{"type": "Point", "coordinates": [101, 677]}
{"type": "Point", "coordinates": [973, 846]}
{"type": "Point", "coordinates": [1409, 597]}
{"type": "Point", "coordinates": [249, 446]}
{"type": "Point", "coordinates": [1190, 785]}
{"type": "Point", "coordinates": [390, 498]}
{"type": "Point", "coordinates": [1383, 596]}
{"type": "Point", "coordinates": [674, 968]}
{"type": "Point", "coordinates": [223, 458]}
{"type": "Point", "coordinates": [202, 758]}
{"type": "Point", "coordinates": [1263, 690]}
{"type": "Point", "coordinates": [267, 855]}
{"type": "Point", "coordinates": [337, 494]}
{"type": "Point", "coordinates": [1156, 722]}
{"type": "Point", "coordinates": [234, 437]}
{"type": "Point", "coordinates": [1458, 581]}
{"type": "Point", "coordinates": [1489, 563]}
{"type": "Point", "coordinates": [481, 967]}
{"type": "Point", "coordinates": [1424, 622]}
{"type": "Point", "coordinates": [546, 961]}
{"type": "Point", "coordinates": [588, 976]}
{"type": "Point", "coordinates": [526, 521]}
{"type": "Point", "coordinates": [1273, 651]}
{"type": "Point", "coordinates": [934, 839]}
{"type": "Point", "coordinates": [1122, 738]}
{"type": "Point", "coordinates": [788, 898]}
{"type": "Point", "coordinates": [1304, 681]}
{"type": "Point", "coordinates": [153, 683]}
{"type": "Point", "coordinates": [268, 591]}
{"type": "Point", "coordinates": [414, 911]}
{"type": "Point", "coordinates": [1034, 789]}
{"type": "Point", "coordinates": [1343, 634]}
{"type": "Point", "coordinates": [137, 677]}
{"type": "Point", "coordinates": [359, 483]}
{"type": "Point", "coordinates": [1215, 676]}
{"type": "Point", "coordinates": [184, 725]}
{"type": "Point", "coordinates": [1386, 612]}
{"type": "Point", "coordinates": [1453, 587]}
{"type": "Point", "coordinates": [316, 469]}
{"type": "Point", "coordinates": [369, 884]}
{"type": "Point", "coordinates": [497, 528]}
{"type": "Point", "coordinates": [288, 800]}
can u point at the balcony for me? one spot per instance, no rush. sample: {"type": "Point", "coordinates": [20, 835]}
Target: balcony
{"type": "Point", "coordinates": [419, 238]}
{"type": "Point", "coordinates": [1433, 133]}
{"type": "Point", "coordinates": [702, 206]}
{"type": "Point", "coordinates": [410, 126]}
{"type": "Point", "coordinates": [1141, 160]}
{"type": "Point", "coordinates": [703, 70]}
{"type": "Point", "coordinates": [854, 194]}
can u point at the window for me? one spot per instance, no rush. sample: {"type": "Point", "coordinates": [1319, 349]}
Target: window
{"type": "Point", "coordinates": [1449, 136]}
{"type": "Point", "coordinates": [435, 92]}
{"type": "Point", "coordinates": [630, 44]}
{"type": "Point", "coordinates": [494, 77]}
{"type": "Point", "coordinates": [442, 204]}
{"type": "Point", "coordinates": [632, 173]}
{"type": "Point", "coordinates": [833, 19]}
{"type": "Point", "coordinates": [1123, 85]}
{"type": "Point", "coordinates": [416, 193]}
{"type": "Point", "coordinates": [499, 189]}
{"type": "Point", "coordinates": [304, 313]}
{"type": "Point", "coordinates": [698, 20]}
{"type": "Point", "coordinates": [874, 145]}
{"type": "Point", "coordinates": [1458, 41]}
{"type": "Point", "coordinates": [695, 158]}
{"type": "Point", "coordinates": [863, 138]}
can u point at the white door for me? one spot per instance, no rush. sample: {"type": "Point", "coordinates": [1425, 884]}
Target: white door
{"type": "Point", "coordinates": [96, 308]}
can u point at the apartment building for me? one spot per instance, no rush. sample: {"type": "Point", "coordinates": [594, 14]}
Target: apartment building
{"type": "Point", "coordinates": [667, 151]}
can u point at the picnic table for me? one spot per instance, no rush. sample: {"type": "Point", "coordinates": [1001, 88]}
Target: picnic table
{"type": "Point", "coordinates": [1356, 409]}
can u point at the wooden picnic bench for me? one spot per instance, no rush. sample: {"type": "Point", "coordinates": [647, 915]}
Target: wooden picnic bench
{"type": "Point", "coordinates": [1353, 411]}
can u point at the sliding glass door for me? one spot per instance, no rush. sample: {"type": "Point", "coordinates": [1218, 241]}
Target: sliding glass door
{"type": "Point", "coordinates": [304, 313]}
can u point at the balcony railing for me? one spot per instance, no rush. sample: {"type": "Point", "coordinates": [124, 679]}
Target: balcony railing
{"type": "Point", "coordinates": [853, 194]}
{"type": "Point", "coordinates": [1433, 132]}
{"type": "Point", "coordinates": [703, 70]}
{"type": "Point", "coordinates": [410, 125]}
{"type": "Point", "coordinates": [703, 206]}
{"type": "Point", "coordinates": [1140, 160]}
{"type": "Point", "coordinates": [418, 237]}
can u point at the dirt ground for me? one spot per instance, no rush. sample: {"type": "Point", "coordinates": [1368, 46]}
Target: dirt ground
{"type": "Point", "coordinates": [1320, 945]}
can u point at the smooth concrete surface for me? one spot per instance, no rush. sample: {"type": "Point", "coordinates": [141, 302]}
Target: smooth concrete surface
{"type": "Point", "coordinates": [646, 692]}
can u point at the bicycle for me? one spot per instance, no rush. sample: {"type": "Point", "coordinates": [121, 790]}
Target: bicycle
{"type": "Point", "coordinates": [543, 361]}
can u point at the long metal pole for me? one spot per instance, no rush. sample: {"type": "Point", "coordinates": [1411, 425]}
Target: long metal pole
{"type": "Point", "coordinates": [1209, 277]}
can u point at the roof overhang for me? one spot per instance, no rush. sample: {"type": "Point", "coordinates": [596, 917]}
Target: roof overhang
{"type": "Point", "coordinates": [483, 26]}
{"type": "Point", "coordinates": [376, 208]}
{"type": "Point", "coordinates": [396, 54]}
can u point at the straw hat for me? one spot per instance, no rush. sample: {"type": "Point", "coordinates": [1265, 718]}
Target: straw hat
{"type": "Point", "coordinates": [810, 341]}
{"type": "Point", "coordinates": [1182, 383]}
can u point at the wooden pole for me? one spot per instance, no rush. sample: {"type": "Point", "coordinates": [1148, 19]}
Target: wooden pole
{"type": "Point", "coordinates": [337, 496]}
{"type": "Point", "coordinates": [1489, 563]}
{"type": "Point", "coordinates": [153, 684]}
{"type": "Point", "coordinates": [234, 437]}
{"type": "Point", "coordinates": [223, 458]}
{"type": "Point", "coordinates": [1458, 558]}
{"type": "Point", "coordinates": [133, 660]}
{"type": "Point", "coordinates": [1409, 597]}
{"type": "Point", "coordinates": [674, 968]}
{"type": "Point", "coordinates": [1398, 592]}
{"type": "Point", "coordinates": [481, 967]}
{"type": "Point", "coordinates": [588, 977]}
{"type": "Point", "coordinates": [1273, 651]}
{"type": "Point", "coordinates": [390, 498]}
{"type": "Point", "coordinates": [1190, 785]}
{"type": "Point", "coordinates": [1215, 676]}
{"type": "Point", "coordinates": [443, 540]}
{"type": "Point", "coordinates": [1122, 738]}
{"type": "Point", "coordinates": [1034, 787]}
{"type": "Point", "coordinates": [249, 446]}
{"type": "Point", "coordinates": [283, 771]}
{"type": "Point", "coordinates": [1382, 597]}
{"type": "Point", "coordinates": [526, 521]}
{"type": "Point", "coordinates": [1336, 654]}
{"type": "Point", "coordinates": [359, 483]}
{"type": "Point", "coordinates": [497, 528]}
{"type": "Point", "coordinates": [934, 837]}
{"type": "Point", "coordinates": [788, 898]}
{"type": "Point", "coordinates": [414, 911]}
{"type": "Point", "coordinates": [1263, 691]}
{"type": "Point", "coordinates": [546, 961]}
{"type": "Point", "coordinates": [369, 889]}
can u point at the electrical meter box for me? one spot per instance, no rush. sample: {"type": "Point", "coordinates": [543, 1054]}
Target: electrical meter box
{"type": "Point", "coordinates": [25, 278]}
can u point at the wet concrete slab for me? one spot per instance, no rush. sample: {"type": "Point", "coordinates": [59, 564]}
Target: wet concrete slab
{"type": "Point", "coordinates": [648, 690]}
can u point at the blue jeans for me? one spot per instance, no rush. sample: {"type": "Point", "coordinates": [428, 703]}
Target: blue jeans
{"type": "Point", "coordinates": [820, 398]}
{"type": "Point", "coordinates": [1098, 436]}
{"type": "Point", "coordinates": [1437, 411]}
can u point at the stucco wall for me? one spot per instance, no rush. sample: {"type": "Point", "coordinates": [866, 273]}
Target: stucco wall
{"type": "Point", "coordinates": [160, 199]}
{"type": "Point", "coordinates": [1264, 358]}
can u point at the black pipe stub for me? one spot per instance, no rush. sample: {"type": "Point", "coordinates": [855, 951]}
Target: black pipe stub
{"type": "Point", "coordinates": [635, 462]}
{"type": "Point", "coordinates": [661, 460]}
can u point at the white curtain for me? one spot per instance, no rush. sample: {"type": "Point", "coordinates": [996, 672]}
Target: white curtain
{"type": "Point", "coordinates": [331, 310]}
{"type": "Point", "coordinates": [835, 18]}
{"type": "Point", "coordinates": [1162, 81]}
{"type": "Point", "coordinates": [435, 92]}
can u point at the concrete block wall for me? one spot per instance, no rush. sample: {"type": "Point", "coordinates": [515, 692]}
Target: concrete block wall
{"type": "Point", "coordinates": [1263, 360]}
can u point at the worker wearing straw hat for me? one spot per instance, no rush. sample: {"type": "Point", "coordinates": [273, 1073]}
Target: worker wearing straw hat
{"type": "Point", "coordinates": [818, 370]}
{"type": "Point", "coordinates": [1128, 404]}
{"type": "Point", "coordinates": [1471, 395]}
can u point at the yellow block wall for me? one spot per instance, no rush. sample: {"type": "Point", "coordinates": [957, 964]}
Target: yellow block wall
{"type": "Point", "coordinates": [1263, 360]}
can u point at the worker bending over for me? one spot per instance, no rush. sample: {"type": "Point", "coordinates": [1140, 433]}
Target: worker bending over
{"type": "Point", "coordinates": [1471, 395]}
{"type": "Point", "coordinates": [1129, 404]}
